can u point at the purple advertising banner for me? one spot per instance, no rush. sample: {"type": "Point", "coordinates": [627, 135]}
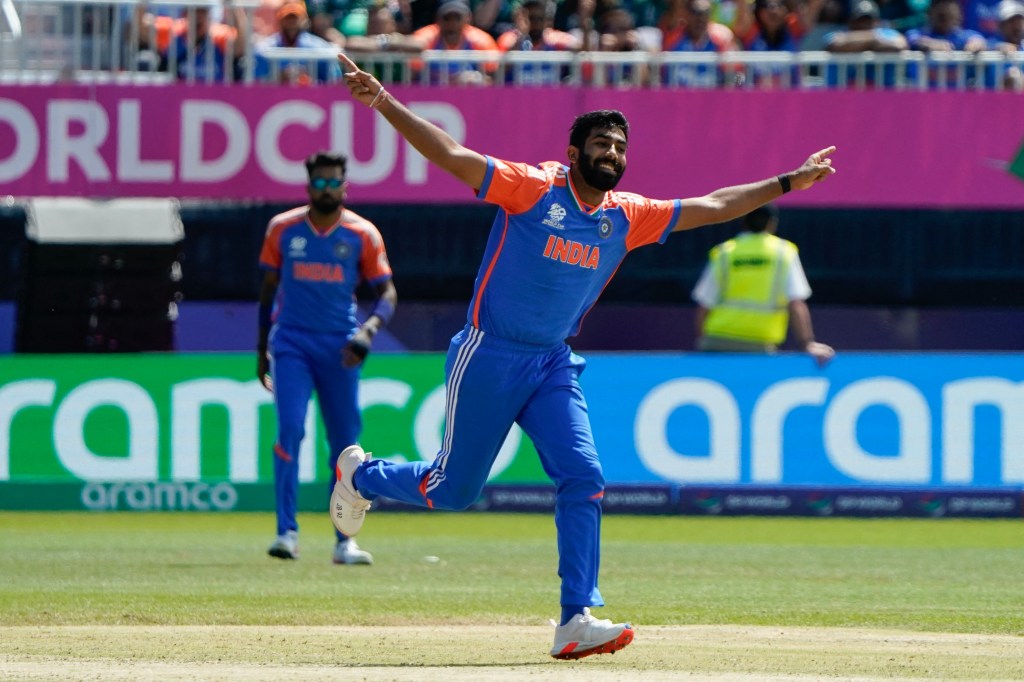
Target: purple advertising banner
{"type": "Point", "coordinates": [895, 149]}
{"type": "Point", "coordinates": [755, 501]}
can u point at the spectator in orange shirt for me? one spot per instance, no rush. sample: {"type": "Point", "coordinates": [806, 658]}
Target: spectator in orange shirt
{"type": "Point", "coordinates": [535, 32]}
{"type": "Point", "coordinates": [617, 33]}
{"type": "Point", "coordinates": [453, 31]}
{"type": "Point", "coordinates": [673, 21]}
{"type": "Point", "coordinates": [210, 43]}
{"type": "Point", "coordinates": [534, 29]}
{"type": "Point", "coordinates": [768, 25]}
{"type": "Point", "coordinates": [771, 27]}
{"type": "Point", "coordinates": [293, 32]}
{"type": "Point", "coordinates": [698, 34]}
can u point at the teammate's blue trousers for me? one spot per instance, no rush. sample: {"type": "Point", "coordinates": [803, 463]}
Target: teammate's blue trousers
{"type": "Point", "coordinates": [491, 383]}
{"type": "Point", "coordinates": [303, 361]}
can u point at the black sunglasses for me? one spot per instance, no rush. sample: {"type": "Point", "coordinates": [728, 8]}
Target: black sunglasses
{"type": "Point", "coordinates": [320, 184]}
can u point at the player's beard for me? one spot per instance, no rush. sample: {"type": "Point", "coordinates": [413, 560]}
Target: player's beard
{"type": "Point", "coordinates": [326, 204]}
{"type": "Point", "coordinates": [600, 178]}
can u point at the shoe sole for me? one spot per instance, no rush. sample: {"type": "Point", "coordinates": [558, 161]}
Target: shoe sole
{"type": "Point", "coordinates": [349, 525]}
{"type": "Point", "coordinates": [352, 563]}
{"type": "Point", "coordinates": [280, 553]}
{"type": "Point", "coordinates": [346, 524]}
{"type": "Point", "coordinates": [609, 647]}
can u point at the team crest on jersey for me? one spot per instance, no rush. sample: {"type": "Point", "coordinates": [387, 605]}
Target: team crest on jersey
{"type": "Point", "coordinates": [604, 228]}
{"type": "Point", "coordinates": [556, 214]}
{"type": "Point", "coordinates": [342, 250]}
{"type": "Point", "coordinates": [297, 247]}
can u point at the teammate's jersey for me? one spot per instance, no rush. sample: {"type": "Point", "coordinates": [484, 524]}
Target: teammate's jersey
{"type": "Point", "coordinates": [548, 255]}
{"type": "Point", "coordinates": [320, 270]}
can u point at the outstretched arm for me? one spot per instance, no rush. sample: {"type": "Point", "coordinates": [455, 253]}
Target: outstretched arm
{"type": "Point", "coordinates": [433, 143]}
{"type": "Point", "coordinates": [730, 203]}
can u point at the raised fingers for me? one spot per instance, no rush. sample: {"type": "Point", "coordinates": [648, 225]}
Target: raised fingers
{"type": "Point", "coordinates": [347, 65]}
{"type": "Point", "coordinates": [822, 156]}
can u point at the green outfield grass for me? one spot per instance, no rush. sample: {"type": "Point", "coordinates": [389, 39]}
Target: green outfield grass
{"type": "Point", "coordinates": [941, 575]}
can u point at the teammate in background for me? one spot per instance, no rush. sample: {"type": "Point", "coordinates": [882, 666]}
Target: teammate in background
{"type": "Point", "coordinates": [314, 256]}
{"type": "Point", "coordinates": [560, 233]}
{"type": "Point", "coordinates": [751, 287]}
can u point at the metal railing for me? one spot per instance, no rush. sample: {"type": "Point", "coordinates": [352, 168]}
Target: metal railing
{"type": "Point", "coordinates": [733, 70]}
{"type": "Point", "coordinates": [120, 41]}
{"type": "Point", "coordinates": [87, 41]}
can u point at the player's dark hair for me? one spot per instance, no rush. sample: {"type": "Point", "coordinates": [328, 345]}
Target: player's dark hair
{"type": "Point", "coordinates": [587, 123]}
{"type": "Point", "coordinates": [760, 218]}
{"type": "Point", "coordinates": [325, 160]}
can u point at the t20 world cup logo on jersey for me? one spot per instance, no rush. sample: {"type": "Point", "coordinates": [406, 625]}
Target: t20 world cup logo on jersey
{"type": "Point", "coordinates": [556, 214]}
{"type": "Point", "coordinates": [297, 247]}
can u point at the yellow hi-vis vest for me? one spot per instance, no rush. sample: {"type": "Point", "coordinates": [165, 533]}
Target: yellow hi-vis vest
{"type": "Point", "coordinates": [752, 272]}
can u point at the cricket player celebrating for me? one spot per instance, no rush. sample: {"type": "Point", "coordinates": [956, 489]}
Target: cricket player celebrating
{"type": "Point", "coordinates": [559, 236]}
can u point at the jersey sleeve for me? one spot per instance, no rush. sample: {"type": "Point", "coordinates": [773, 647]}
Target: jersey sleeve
{"type": "Point", "coordinates": [270, 254]}
{"type": "Point", "coordinates": [373, 263]}
{"type": "Point", "coordinates": [428, 34]}
{"type": "Point", "coordinates": [222, 34]}
{"type": "Point", "coordinates": [479, 39]}
{"type": "Point", "coordinates": [650, 220]}
{"type": "Point", "coordinates": [507, 40]}
{"type": "Point", "coordinates": [516, 187]}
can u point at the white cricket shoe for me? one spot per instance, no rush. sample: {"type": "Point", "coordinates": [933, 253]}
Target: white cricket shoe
{"type": "Point", "coordinates": [348, 552]}
{"type": "Point", "coordinates": [285, 546]}
{"type": "Point", "coordinates": [348, 507]}
{"type": "Point", "coordinates": [584, 635]}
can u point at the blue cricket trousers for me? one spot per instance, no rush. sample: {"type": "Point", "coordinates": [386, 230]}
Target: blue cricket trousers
{"type": "Point", "coordinates": [303, 361]}
{"type": "Point", "coordinates": [491, 383]}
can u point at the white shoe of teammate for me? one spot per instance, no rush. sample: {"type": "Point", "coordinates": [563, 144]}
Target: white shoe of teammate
{"type": "Point", "coordinates": [585, 635]}
{"type": "Point", "coordinates": [348, 552]}
{"type": "Point", "coordinates": [348, 507]}
{"type": "Point", "coordinates": [285, 546]}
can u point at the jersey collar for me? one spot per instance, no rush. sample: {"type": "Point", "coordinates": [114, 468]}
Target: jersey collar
{"type": "Point", "coordinates": [323, 233]}
{"type": "Point", "coordinates": [579, 202]}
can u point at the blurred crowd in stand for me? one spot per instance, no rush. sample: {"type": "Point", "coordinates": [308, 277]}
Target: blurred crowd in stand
{"type": "Point", "coordinates": [218, 43]}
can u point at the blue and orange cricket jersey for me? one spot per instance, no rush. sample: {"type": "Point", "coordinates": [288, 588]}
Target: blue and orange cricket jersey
{"type": "Point", "coordinates": [320, 270]}
{"type": "Point", "coordinates": [549, 256]}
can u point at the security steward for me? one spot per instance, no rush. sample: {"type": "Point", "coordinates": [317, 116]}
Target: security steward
{"type": "Point", "coordinates": [751, 288]}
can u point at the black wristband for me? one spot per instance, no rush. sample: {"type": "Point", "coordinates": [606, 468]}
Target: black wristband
{"type": "Point", "coordinates": [359, 348]}
{"type": "Point", "coordinates": [784, 181]}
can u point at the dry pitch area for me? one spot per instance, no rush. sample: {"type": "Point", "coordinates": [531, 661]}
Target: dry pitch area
{"type": "Point", "coordinates": [493, 652]}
